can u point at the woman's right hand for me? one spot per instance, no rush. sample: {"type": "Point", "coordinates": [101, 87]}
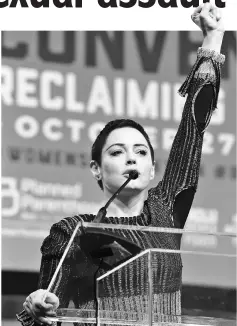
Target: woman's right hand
{"type": "Point", "coordinates": [41, 305]}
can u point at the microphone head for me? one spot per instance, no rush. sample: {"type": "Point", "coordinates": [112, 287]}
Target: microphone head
{"type": "Point", "coordinates": [133, 174]}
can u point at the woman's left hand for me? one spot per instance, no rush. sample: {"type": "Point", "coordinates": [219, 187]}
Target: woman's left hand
{"type": "Point", "coordinates": [208, 18]}
{"type": "Point", "coordinates": [210, 21]}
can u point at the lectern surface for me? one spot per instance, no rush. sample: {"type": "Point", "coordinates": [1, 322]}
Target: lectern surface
{"type": "Point", "coordinates": [88, 316]}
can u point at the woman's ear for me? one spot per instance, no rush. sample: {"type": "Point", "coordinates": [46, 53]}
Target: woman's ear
{"type": "Point", "coordinates": [95, 169]}
{"type": "Point", "coordinates": [152, 173]}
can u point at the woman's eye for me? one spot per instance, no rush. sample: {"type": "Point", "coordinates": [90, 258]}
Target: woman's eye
{"type": "Point", "coordinates": [142, 152]}
{"type": "Point", "coordinates": [115, 153]}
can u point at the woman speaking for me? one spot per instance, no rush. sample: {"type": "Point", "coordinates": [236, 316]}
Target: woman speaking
{"type": "Point", "coordinates": [121, 147]}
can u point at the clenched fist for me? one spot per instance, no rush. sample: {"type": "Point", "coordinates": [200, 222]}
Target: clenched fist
{"type": "Point", "coordinates": [208, 18]}
{"type": "Point", "coordinates": [40, 305]}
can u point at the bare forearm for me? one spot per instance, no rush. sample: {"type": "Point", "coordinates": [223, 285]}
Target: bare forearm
{"type": "Point", "coordinates": [213, 41]}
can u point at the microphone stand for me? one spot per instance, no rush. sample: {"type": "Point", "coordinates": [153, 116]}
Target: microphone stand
{"type": "Point", "coordinates": [89, 246]}
{"type": "Point", "coordinates": [112, 247]}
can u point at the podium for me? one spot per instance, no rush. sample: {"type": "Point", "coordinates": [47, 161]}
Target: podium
{"type": "Point", "coordinates": [70, 316]}
{"type": "Point", "coordinates": [132, 293]}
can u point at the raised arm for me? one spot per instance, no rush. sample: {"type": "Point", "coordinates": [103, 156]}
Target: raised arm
{"type": "Point", "coordinates": [202, 86]}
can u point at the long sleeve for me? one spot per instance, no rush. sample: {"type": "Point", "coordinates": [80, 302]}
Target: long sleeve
{"type": "Point", "coordinates": [202, 86]}
{"type": "Point", "coordinates": [52, 249]}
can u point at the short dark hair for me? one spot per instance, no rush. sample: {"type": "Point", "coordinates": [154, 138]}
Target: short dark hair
{"type": "Point", "coordinates": [98, 144]}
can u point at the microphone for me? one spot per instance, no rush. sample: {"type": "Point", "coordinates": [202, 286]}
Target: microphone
{"type": "Point", "coordinates": [133, 175]}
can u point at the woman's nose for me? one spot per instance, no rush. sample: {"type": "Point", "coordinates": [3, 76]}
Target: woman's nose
{"type": "Point", "coordinates": [131, 161]}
